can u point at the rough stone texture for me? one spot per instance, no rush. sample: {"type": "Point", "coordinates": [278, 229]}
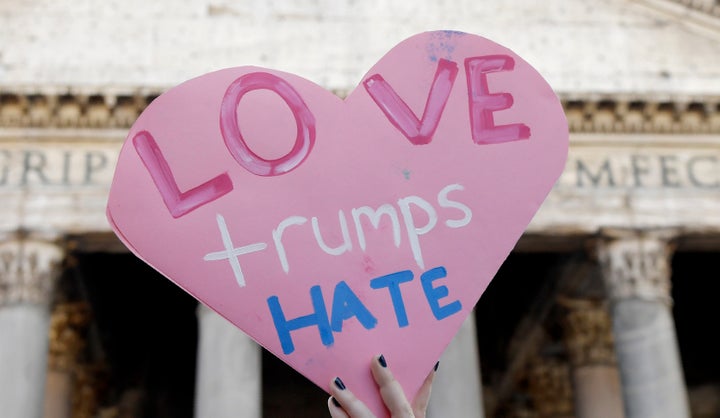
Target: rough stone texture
{"type": "Point", "coordinates": [580, 46]}
{"type": "Point", "coordinates": [228, 370]}
{"type": "Point", "coordinates": [457, 388]}
{"type": "Point", "coordinates": [638, 181]}
{"type": "Point", "coordinates": [58, 395]}
{"type": "Point", "coordinates": [636, 272]}
{"type": "Point", "coordinates": [46, 185]}
{"type": "Point", "coordinates": [22, 371]}
{"type": "Point", "coordinates": [650, 370]}
{"type": "Point", "coordinates": [597, 392]}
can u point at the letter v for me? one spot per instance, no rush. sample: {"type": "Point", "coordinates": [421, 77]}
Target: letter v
{"type": "Point", "coordinates": [178, 203]}
{"type": "Point", "coordinates": [419, 132]}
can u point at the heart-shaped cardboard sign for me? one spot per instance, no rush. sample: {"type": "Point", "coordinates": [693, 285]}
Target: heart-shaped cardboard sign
{"type": "Point", "coordinates": [333, 230]}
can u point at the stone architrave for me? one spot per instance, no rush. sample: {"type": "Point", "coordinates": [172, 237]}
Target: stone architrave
{"type": "Point", "coordinates": [636, 271]}
{"type": "Point", "coordinates": [588, 337]}
{"type": "Point", "coordinates": [457, 388]}
{"type": "Point", "coordinates": [28, 270]}
{"type": "Point", "coordinates": [229, 370]}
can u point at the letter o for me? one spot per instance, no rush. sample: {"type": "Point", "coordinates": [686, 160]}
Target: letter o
{"type": "Point", "coordinates": [234, 141]}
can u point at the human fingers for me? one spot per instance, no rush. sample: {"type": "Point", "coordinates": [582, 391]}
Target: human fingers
{"type": "Point", "coordinates": [420, 403]}
{"type": "Point", "coordinates": [390, 390]}
{"type": "Point", "coordinates": [335, 409]}
{"type": "Point", "coordinates": [351, 405]}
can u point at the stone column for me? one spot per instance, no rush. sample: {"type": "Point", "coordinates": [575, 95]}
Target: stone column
{"type": "Point", "coordinates": [229, 370]}
{"type": "Point", "coordinates": [67, 328]}
{"type": "Point", "coordinates": [588, 337]}
{"type": "Point", "coordinates": [550, 388]}
{"type": "Point", "coordinates": [28, 270]}
{"type": "Point", "coordinates": [636, 271]}
{"type": "Point", "coordinates": [457, 389]}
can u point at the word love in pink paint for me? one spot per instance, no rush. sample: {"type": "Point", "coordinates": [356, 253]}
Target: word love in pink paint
{"type": "Point", "coordinates": [482, 104]}
{"type": "Point", "coordinates": [330, 229]}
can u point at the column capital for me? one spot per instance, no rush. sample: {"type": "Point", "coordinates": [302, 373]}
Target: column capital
{"type": "Point", "coordinates": [636, 264]}
{"type": "Point", "coordinates": [28, 269]}
{"type": "Point", "coordinates": [587, 332]}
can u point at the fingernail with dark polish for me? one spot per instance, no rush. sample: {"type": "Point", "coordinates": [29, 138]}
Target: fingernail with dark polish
{"type": "Point", "coordinates": [436, 366]}
{"type": "Point", "coordinates": [339, 383]}
{"type": "Point", "coordinates": [335, 402]}
{"type": "Point", "coordinates": [382, 361]}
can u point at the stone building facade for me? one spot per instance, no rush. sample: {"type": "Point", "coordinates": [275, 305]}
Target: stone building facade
{"type": "Point", "coordinates": [605, 308]}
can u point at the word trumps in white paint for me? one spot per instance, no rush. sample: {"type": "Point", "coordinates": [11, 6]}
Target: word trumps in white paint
{"type": "Point", "coordinates": [231, 253]}
{"type": "Point", "coordinates": [406, 206]}
{"type": "Point", "coordinates": [413, 230]}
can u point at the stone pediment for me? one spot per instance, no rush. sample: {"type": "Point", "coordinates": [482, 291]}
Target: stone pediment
{"type": "Point", "coordinates": [710, 7]}
{"type": "Point", "coordinates": [631, 47]}
{"type": "Point", "coordinates": [650, 48]}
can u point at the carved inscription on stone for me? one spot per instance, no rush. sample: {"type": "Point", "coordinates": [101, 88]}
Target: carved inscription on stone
{"type": "Point", "coordinates": [607, 167]}
{"type": "Point", "coordinates": [648, 166]}
{"type": "Point", "coordinates": [644, 170]}
{"type": "Point", "coordinates": [56, 166]}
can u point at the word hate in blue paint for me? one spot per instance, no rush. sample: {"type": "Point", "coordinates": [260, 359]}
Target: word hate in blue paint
{"type": "Point", "coordinates": [346, 305]}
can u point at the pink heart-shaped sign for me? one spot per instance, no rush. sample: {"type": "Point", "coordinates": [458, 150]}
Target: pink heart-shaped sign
{"type": "Point", "coordinates": [333, 230]}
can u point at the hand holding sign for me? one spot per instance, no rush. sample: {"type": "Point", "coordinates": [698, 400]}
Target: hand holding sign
{"type": "Point", "coordinates": [344, 404]}
{"type": "Point", "coordinates": [330, 230]}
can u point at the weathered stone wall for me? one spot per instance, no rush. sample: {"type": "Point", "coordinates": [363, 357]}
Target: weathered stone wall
{"type": "Point", "coordinates": [580, 46]}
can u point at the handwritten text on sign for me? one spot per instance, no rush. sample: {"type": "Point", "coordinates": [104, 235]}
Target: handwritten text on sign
{"type": "Point", "coordinates": [346, 304]}
{"type": "Point", "coordinates": [376, 223]}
